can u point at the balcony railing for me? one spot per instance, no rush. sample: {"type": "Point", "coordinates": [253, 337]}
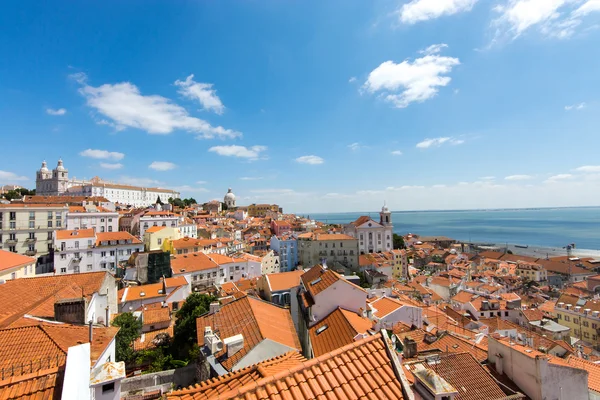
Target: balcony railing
{"type": "Point", "coordinates": [11, 242]}
{"type": "Point", "coordinates": [30, 240]}
{"type": "Point", "coordinates": [31, 252]}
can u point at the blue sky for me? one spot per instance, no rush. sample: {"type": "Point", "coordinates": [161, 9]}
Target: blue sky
{"type": "Point", "coordinates": [319, 106]}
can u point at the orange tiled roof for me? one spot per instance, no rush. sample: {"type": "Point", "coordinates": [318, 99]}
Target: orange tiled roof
{"type": "Point", "coordinates": [75, 234]}
{"type": "Point", "coordinates": [317, 279]}
{"type": "Point", "coordinates": [153, 229]}
{"type": "Point", "coordinates": [36, 296]}
{"type": "Point", "coordinates": [122, 235]}
{"type": "Point", "coordinates": [156, 316]}
{"type": "Point", "coordinates": [213, 387]}
{"type": "Point", "coordinates": [336, 330]}
{"type": "Point", "coordinates": [43, 384]}
{"type": "Point", "coordinates": [385, 306]}
{"type": "Point", "coordinates": [145, 341]}
{"type": "Point", "coordinates": [46, 345]}
{"type": "Point", "coordinates": [359, 370]}
{"type": "Point", "coordinates": [284, 280]}
{"type": "Point", "coordinates": [192, 262]}
{"type": "Point", "coordinates": [593, 370]}
{"type": "Point", "coordinates": [256, 320]}
{"type": "Point", "coordinates": [150, 291]}
{"type": "Point", "coordinates": [10, 260]}
{"type": "Point", "coordinates": [466, 375]}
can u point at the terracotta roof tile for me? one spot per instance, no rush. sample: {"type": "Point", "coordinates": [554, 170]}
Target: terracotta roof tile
{"type": "Point", "coordinates": [153, 229]}
{"type": "Point", "coordinates": [10, 260]}
{"type": "Point", "coordinates": [345, 373]}
{"type": "Point", "coordinates": [43, 384]}
{"type": "Point", "coordinates": [593, 370]}
{"type": "Point", "coordinates": [466, 375]}
{"type": "Point", "coordinates": [145, 341]}
{"type": "Point", "coordinates": [74, 234]}
{"type": "Point", "coordinates": [234, 380]}
{"type": "Point", "coordinates": [21, 296]}
{"type": "Point", "coordinates": [336, 330]}
{"type": "Point", "coordinates": [108, 236]}
{"type": "Point", "coordinates": [385, 306]}
{"type": "Point", "coordinates": [156, 316]}
{"type": "Point", "coordinates": [284, 280]}
{"type": "Point", "coordinates": [256, 320]}
{"type": "Point", "coordinates": [192, 262]}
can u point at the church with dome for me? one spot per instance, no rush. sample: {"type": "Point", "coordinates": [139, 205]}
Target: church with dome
{"type": "Point", "coordinates": [229, 199]}
{"type": "Point", "coordinates": [373, 236]}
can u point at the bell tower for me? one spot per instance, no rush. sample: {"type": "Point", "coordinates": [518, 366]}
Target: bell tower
{"type": "Point", "coordinates": [385, 216]}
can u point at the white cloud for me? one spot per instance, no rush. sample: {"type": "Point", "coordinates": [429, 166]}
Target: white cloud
{"type": "Point", "coordinates": [313, 160]}
{"type": "Point", "coordinates": [162, 166]}
{"type": "Point", "coordinates": [575, 106]}
{"type": "Point", "coordinates": [405, 187]}
{"type": "Point", "coordinates": [588, 169]}
{"type": "Point", "coordinates": [423, 10]}
{"type": "Point", "coordinates": [439, 186]}
{"type": "Point", "coordinates": [397, 153]}
{"type": "Point", "coordinates": [201, 182]}
{"type": "Point", "coordinates": [102, 154]}
{"type": "Point", "coordinates": [59, 111]}
{"type": "Point", "coordinates": [559, 177]}
{"type": "Point", "coordinates": [437, 142]}
{"type": "Point", "coordinates": [251, 178]}
{"type": "Point", "coordinates": [518, 177]}
{"type": "Point", "coordinates": [434, 49]}
{"type": "Point", "coordinates": [553, 18]}
{"type": "Point", "coordinates": [352, 79]}
{"type": "Point", "coordinates": [251, 153]}
{"type": "Point", "coordinates": [355, 146]}
{"type": "Point", "coordinates": [487, 178]}
{"type": "Point", "coordinates": [203, 92]}
{"type": "Point", "coordinates": [408, 82]}
{"type": "Point", "coordinates": [143, 182]}
{"type": "Point", "coordinates": [10, 177]}
{"type": "Point", "coordinates": [111, 165]}
{"type": "Point", "coordinates": [125, 107]}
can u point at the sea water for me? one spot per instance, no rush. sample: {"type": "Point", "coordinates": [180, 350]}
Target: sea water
{"type": "Point", "coordinates": [548, 227]}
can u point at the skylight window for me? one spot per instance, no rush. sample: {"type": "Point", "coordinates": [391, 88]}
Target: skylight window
{"type": "Point", "coordinates": [322, 329]}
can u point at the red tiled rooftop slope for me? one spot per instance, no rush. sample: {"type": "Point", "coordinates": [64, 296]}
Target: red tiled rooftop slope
{"type": "Point", "coordinates": [361, 370]}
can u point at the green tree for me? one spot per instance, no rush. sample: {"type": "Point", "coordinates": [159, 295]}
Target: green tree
{"type": "Point", "coordinates": [189, 201]}
{"type": "Point", "coordinates": [399, 242]}
{"type": "Point", "coordinates": [170, 200]}
{"type": "Point", "coordinates": [131, 329]}
{"type": "Point", "coordinates": [178, 203]}
{"type": "Point", "coordinates": [185, 335]}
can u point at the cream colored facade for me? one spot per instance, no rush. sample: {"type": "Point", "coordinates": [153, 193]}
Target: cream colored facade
{"type": "Point", "coordinates": [531, 271]}
{"type": "Point", "coordinates": [27, 229]}
{"type": "Point", "coordinates": [14, 266]}
{"type": "Point", "coordinates": [154, 240]}
{"type": "Point", "coordinates": [261, 210]}
{"type": "Point", "coordinates": [584, 322]}
{"type": "Point", "coordinates": [326, 248]}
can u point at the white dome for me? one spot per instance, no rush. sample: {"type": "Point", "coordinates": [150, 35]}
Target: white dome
{"type": "Point", "coordinates": [60, 166]}
{"type": "Point", "coordinates": [44, 167]}
{"type": "Point", "coordinates": [229, 195]}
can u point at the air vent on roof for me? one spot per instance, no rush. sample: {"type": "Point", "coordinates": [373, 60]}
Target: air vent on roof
{"type": "Point", "coordinates": [160, 291]}
{"type": "Point", "coordinates": [315, 281]}
{"type": "Point", "coordinates": [142, 294]}
{"type": "Point", "coordinates": [321, 329]}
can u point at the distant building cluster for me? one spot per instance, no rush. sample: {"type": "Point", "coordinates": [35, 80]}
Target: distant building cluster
{"type": "Point", "coordinates": [293, 308]}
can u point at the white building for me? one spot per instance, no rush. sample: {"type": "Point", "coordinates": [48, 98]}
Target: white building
{"type": "Point", "coordinates": [84, 250]}
{"type": "Point", "coordinates": [229, 199]}
{"type": "Point", "coordinates": [158, 218]}
{"type": "Point", "coordinates": [187, 228]}
{"type": "Point", "coordinates": [57, 182]}
{"type": "Point", "coordinates": [372, 236]}
{"type": "Point", "coordinates": [91, 216]}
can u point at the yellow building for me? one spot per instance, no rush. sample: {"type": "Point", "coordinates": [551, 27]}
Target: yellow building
{"type": "Point", "coordinates": [157, 237]}
{"type": "Point", "coordinates": [581, 316]}
{"type": "Point", "coordinates": [14, 266]}
{"type": "Point", "coordinates": [261, 210]}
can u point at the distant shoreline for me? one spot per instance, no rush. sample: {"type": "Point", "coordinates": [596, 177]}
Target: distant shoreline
{"type": "Point", "coordinates": [457, 210]}
{"type": "Point", "coordinates": [543, 251]}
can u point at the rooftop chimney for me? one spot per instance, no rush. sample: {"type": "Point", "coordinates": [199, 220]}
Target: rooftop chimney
{"type": "Point", "coordinates": [410, 347]}
{"type": "Point", "coordinates": [214, 307]}
{"type": "Point", "coordinates": [91, 335]}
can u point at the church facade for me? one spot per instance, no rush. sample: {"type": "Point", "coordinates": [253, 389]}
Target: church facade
{"type": "Point", "coordinates": [58, 183]}
{"type": "Point", "coordinates": [372, 236]}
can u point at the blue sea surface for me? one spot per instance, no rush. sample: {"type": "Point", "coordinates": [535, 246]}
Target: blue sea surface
{"type": "Point", "coordinates": [549, 227]}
